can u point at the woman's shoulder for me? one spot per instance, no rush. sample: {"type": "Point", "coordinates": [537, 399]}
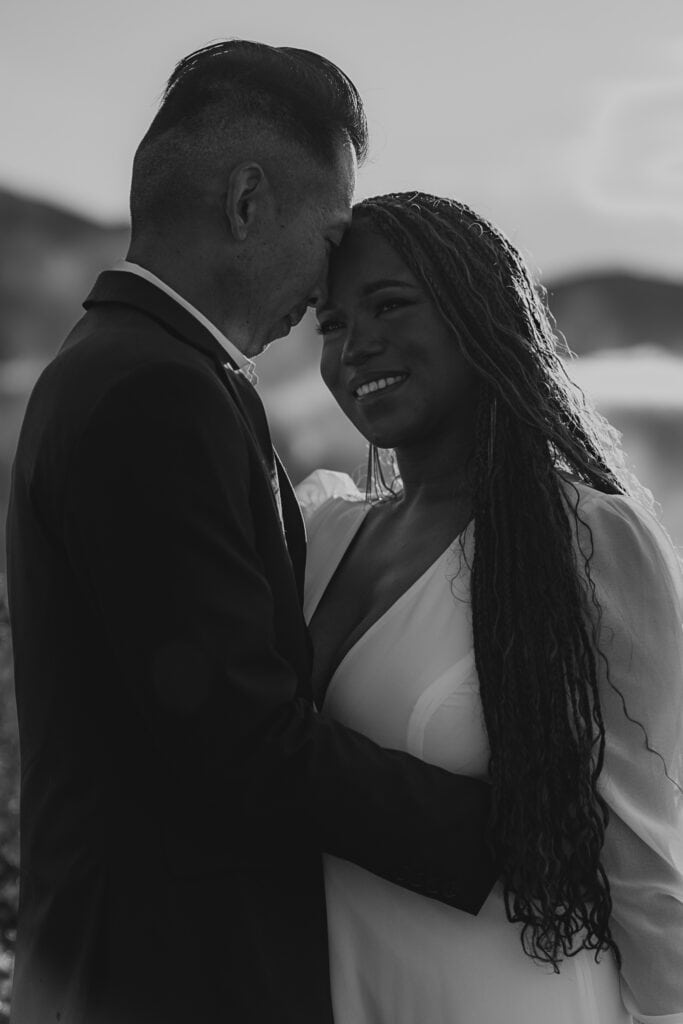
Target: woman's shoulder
{"type": "Point", "coordinates": [327, 494]}
{"type": "Point", "coordinates": [619, 529]}
{"type": "Point", "coordinates": [594, 507]}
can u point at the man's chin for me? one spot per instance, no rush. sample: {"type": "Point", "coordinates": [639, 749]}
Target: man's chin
{"type": "Point", "coordinates": [256, 346]}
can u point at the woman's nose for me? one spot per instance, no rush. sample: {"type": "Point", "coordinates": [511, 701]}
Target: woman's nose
{"type": "Point", "coordinates": [361, 343]}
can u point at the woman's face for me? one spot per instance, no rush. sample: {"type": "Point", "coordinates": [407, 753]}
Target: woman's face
{"type": "Point", "coordinates": [390, 361]}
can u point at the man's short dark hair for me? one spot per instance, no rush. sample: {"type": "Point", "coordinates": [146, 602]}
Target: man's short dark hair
{"type": "Point", "coordinates": [235, 84]}
{"type": "Point", "coordinates": [303, 94]}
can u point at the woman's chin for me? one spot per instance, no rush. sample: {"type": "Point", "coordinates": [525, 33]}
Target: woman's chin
{"type": "Point", "coordinates": [379, 440]}
{"type": "Point", "coordinates": [382, 435]}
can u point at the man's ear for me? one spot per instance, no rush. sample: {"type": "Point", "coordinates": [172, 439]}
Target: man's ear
{"type": "Point", "coordinates": [246, 198]}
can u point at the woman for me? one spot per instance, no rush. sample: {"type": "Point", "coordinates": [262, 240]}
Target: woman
{"type": "Point", "coordinates": [505, 606]}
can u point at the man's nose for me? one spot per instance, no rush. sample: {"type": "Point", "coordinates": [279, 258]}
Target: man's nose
{"type": "Point", "coordinates": [318, 296]}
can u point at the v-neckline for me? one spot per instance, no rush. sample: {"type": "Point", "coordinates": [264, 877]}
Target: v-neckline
{"type": "Point", "coordinates": [365, 633]}
{"type": "Point", "coordinates": [361, 632]}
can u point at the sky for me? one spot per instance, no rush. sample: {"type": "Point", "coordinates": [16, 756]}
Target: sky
{"type": "Point", "coordinates": [562, 122]}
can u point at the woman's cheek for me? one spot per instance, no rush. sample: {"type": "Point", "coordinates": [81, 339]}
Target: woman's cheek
{"type": "Point", "coordinates": [329, 368]}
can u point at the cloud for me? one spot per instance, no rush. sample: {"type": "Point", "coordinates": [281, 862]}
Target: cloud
{"type": "Point", "coordinates": [630, 160]}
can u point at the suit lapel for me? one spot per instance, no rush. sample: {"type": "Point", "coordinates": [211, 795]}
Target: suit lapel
{"type": "Point", "coordinates": [118, 286]}
{"type": "Point", "coordinates": [295, 532]}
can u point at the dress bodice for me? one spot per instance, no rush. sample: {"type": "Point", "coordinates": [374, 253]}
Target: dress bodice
{"type": "Point", "coordinates": [424, 696]}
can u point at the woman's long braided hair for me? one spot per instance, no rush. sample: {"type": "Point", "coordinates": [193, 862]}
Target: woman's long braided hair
{"type": "Point", "coordinates": [534, 645]}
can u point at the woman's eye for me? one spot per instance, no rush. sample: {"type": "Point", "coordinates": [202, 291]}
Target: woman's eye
{"type": "Point", "coordinates": [388, 304]}
{"type": "Point", "coordinates": [385, 306]}
{"type": "Point", "coordinates": [328, 327]}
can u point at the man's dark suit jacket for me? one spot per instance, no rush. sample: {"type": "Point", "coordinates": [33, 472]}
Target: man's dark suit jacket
{"type": "Point", "coordinates": [177, 785]}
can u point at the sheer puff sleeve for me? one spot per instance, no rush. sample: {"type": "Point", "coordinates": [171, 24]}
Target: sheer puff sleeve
{"type": "Point", "coordinates": [321, 486]}
{"type": "Point", "coordinates": [639, 587]}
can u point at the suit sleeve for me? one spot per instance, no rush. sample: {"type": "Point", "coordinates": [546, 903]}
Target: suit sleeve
{"type": "Point", "coordinates": [158, 526]}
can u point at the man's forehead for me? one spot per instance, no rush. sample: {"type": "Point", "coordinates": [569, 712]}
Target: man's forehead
{"type": "Point", "coordinates": [349, 168]}
{"type": "Point", "coordinates": [341, 179]}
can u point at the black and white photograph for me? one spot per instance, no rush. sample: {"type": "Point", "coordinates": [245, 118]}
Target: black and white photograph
{"type": "Point", "coordinates": [341, 488]}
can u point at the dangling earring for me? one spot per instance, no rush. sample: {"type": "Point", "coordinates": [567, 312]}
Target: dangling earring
{"type": "Point", "coordinates": [396, 483]}
{"type": "Point", "coordinates": [370, 479]}
{"type": "Point", "coordinates": [376, 486]}
{"type": "Point", "coordinates": [493, 414]}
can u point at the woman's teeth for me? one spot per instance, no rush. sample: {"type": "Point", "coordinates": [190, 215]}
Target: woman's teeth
{"type": "Point", "coordinates": [377, 385]}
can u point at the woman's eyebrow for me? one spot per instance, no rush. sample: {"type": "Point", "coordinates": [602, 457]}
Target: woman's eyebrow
{"type": "Point", "coordinates": [369, 289]}
{"type": "Point", "coordinates": [385, 282]}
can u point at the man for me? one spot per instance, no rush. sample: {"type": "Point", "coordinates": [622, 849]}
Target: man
{"type": "Point", "coordinates": [178, 786]}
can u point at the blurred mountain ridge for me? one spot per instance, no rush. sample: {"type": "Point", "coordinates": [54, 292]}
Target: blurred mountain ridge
{"type": "Point", "coordinates": [49, 258]}
{"type": "Point", "coordinates": [611, 309]}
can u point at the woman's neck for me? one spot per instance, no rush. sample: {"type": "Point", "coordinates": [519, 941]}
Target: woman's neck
{"type": "Point", "coordinates": [434, 477]}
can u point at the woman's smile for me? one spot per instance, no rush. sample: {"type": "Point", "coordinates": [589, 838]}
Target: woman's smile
{"type": "Point", "coordinates": [377, 386]}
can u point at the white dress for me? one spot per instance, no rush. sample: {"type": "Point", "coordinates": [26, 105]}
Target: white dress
{"type": "Point", "coordinates": [410, 683]}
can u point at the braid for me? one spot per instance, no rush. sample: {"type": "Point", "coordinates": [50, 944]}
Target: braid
{"type": "Point", "coordinates": [539, 694]}
{"type": "Point", "coordinates": [534, 646]}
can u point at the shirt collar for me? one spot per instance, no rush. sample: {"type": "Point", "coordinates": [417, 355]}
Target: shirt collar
{"type": "Point", "coordinates": [246, 366]}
